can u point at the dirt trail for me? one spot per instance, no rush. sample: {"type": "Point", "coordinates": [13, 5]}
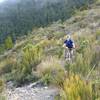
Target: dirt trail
{"type": "Point", "coordinates": [31, 93]}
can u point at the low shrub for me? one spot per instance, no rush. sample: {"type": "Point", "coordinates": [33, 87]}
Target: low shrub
{"type": "Point", "coordinates": [74, 88]}
{"type": "Point", "coordinates": [30, 57]}
{"type": "Point", "coordinates": [51, 71]}
{"type": "Point", "coordinates": [1, 85]}
{"type": "Point", "coordinates": [98, 34]}
{"type": "Point", "coordinates": [82, 45]}
{"type": "Point", "coordinates": [2, 48]}
{"type": "Point", "coordinates": [8, 43]}
{"type": "Point", "coordinates": [7, 65]}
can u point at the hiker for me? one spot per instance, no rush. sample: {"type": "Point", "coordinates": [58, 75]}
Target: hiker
{"type": "Point", "coordinates": [69, 45]}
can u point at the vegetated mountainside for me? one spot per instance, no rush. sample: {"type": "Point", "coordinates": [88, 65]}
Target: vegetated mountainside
{"type": "Point", "coordinates": [39, 56]}
{"type": "Point", "coordinates": [17, 18]}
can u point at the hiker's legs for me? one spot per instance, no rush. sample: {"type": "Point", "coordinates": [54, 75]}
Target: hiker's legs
{"type": "Point", "coordinates": [70, 53]}
{"type": "Point", "coordinates": [65, 53]}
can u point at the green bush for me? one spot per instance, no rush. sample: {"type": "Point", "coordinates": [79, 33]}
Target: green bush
{"type": "Point", "coordinates": [30, 57]}
{"type": "Point", "coordinates": [83, 43]}
{"type": "Point", "coordinates": [1, 85]}
{"type": "Point", "coordinates": [8, 43]}
{"type": "Point", "coordinates": [8, 66]}
{"type": "Point", "coordinates": [2, 48]}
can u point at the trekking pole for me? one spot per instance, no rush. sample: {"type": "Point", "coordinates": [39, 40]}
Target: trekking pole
{"type": "Point", "coordinates": [90, 72]}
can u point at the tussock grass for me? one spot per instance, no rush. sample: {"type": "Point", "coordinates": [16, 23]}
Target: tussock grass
{"type": "Point", "coordinates": [51, 70]}
{"type": "Point", "coordinates": [74, 88]}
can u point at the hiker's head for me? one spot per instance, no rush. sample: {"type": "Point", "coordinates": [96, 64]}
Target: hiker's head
{"type": "Point", "coordinates": [68, 37]}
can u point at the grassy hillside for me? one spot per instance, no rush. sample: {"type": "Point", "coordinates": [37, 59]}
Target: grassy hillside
{"type": "Point", "coordinates": [39, 56]}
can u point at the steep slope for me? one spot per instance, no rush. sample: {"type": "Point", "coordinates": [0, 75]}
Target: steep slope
{"type": "Point", "coordinates": [85, 22]}
{"type": "Point", "coordinates": [17, 19]}
{"type": "Point", "coordinates": [47, 42]}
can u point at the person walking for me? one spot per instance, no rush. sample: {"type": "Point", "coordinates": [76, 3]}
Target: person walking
{"type": "Point", "coordinates": [69, 45]}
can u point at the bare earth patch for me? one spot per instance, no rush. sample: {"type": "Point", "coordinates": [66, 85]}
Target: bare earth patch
{"type": "Point", "coordinates": [29, 93]}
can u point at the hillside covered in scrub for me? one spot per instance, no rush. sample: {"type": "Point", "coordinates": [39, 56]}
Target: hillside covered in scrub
{"type": "Point", "coordinates": [19, 17]}
{"type": "Point", "coordinates": [38, 57]}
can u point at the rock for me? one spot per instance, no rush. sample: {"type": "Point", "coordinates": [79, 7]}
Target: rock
{"type": "Point", "coordinates": [36, 84]}
{"type": "Point", "coordinates": [10, 85]}
{"type": "Point", "coordinates": [45, 87]}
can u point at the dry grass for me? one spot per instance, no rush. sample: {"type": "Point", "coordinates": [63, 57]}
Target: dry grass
{"type": "Point", "coordinates": [50, 63]}
{"type": "Point", "coordinates": [52, 71]}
